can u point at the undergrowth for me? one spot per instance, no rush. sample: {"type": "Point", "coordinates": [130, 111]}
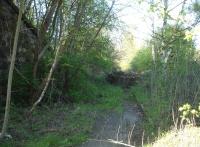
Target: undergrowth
{"type": "Point", "coordinates": [63, 125]}
{"type": "Point", "coordinates": [154, 111]}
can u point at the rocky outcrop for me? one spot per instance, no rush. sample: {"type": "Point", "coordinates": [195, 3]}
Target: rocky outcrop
{"type": "Point", "coordinates": [26, 44]}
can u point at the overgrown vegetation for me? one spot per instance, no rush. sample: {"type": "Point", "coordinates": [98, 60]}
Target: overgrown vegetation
{"type": "Point", "coordinates": [62, 79]}
{"type": "Point", "coordinates": [186, 134]}
{"type": "Point", "coordinates": [170, 68]}
{"type": "Point", "coordinates": [142, 61]}
{"type": "Point", "coordinates": [61, 124]}
{"type": "Point", "coordinates": [64, 74]}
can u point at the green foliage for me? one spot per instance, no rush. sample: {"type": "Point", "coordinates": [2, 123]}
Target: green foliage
{"type": "Point", "coordinates": [85, 91]}
{"type": "Point", "coordinates": [153, 109]}
{"type": "Point", "coordinates": [143, 60]}
{"type": "Point", "coordinates": [101, 93]}
{"type": "Point", "coordinates": [111, 98]}
{"type": "Point", "coordinates": [171, 79]}
{"type": "Point", "coordinates": [22, 81]}
{"type": "Point", "coordinates": [188, 114]}
{"type": "Point", "coordinates": [102, 56]}
{"type": "Point", "coordinates": [47, 141]}
{"type": "Point", "coordinates": [88, 49]}
{"type": "Point", "coordinates": [139, 94]}
{"type": "Point", "coordinates": [64, 125]}
{"type": "Point", "coordinates": [77, 68]}
{"type": "Point", "coordinates": [71, 126]}
{"type": "Point", "coordinates": [53, 140]}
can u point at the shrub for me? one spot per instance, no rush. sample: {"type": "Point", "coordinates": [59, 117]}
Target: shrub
{"type": "Point", "coordinates": [143, 60]}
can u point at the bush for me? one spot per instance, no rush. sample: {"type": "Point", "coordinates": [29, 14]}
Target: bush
{"type": "Point", "coordinates": [143, 60]}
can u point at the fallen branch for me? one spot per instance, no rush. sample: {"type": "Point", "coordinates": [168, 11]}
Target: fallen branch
{"type": "Point", "coordinates": [114, 142]}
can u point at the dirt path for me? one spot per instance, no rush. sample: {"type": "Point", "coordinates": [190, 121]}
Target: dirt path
{"type": "Point", "coordinates": [116, 127]}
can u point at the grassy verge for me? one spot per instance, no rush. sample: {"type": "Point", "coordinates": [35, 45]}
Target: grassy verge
{"type": "Point", "coordinates": [155, 111]}
{"type": "Point", "coordinates": [62, 125]}
{"type": "Point", "coordinates": [51, 126]}
{"type": "Point", "coordinates": [187, 137]}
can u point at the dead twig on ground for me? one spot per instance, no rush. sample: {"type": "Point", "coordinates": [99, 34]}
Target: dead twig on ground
{"type": "Point", "coordinates": [113, 141]}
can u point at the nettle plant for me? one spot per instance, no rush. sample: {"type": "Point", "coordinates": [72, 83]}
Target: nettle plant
{"type": "Point", "coordinates": [189, 114]}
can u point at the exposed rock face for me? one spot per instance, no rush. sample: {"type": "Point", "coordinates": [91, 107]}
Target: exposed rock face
{"type": "Point", "coordinates": [26, 44]}
{"type": "Point", "coordinates": [122, 78]}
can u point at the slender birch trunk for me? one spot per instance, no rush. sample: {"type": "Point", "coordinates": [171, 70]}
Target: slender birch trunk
{"type": "Point", "coordinates": [48, 78]}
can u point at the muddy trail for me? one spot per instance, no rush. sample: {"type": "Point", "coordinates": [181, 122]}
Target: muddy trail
{"type": "Point", "coordinates": [114, 129]}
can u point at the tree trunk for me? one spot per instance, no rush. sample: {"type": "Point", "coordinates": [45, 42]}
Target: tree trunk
{"type": "Point", "coordinates": [40, 50]}
{"type": "Point", "coordinates": [49, 76]}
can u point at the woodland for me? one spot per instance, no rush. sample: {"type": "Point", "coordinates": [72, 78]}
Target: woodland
{"type": "Point", "coordinates": [61, 72]}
